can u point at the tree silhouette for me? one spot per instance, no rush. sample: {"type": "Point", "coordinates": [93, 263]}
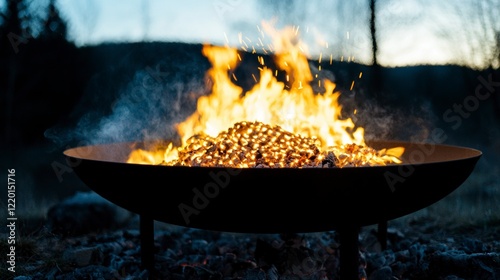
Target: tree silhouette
{"type": "Point", "coordinates": [376, 80]}
{"type": "Point", "coordinates": [54, 26]}
{"type": "Point", "coordinates": [10, 17]}
{"type": "Point", "coordinates": [11, 36]}
{"type": "Point", "coordinates": [373, 32]}
{"type": "Point", "coordinates": [14, 29]}
{"type": "Point", "coordinates": [36, 72]}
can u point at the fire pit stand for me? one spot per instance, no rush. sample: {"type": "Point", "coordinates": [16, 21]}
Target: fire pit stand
{"type": "Point", "coordinates": [349, 248]}
{"type": "Point", "coordinates": [146, 228]}
{"type": "Point", "coordinates": [341, 199]}
{"type": "Point", "coordinates": [349, 252]}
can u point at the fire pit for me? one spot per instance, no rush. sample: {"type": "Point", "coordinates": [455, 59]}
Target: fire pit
{"type": "Point", "coordinates": [274, 200]}
{"type": "Point", "coordinates": [290, 162]}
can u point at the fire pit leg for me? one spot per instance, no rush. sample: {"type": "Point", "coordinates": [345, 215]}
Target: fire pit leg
{"type": "Point", "coordinates": [147, 243]}
{"type": "Point", "coordinates": [349, 253]}
{"type": "Point", "coordinates": [382, 234]}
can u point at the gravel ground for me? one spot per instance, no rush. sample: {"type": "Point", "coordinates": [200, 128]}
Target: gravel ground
{"type": "Point", "coordinates": [420, 246]}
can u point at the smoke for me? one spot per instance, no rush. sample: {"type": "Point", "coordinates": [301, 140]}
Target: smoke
{"type": "Point", "coordinates": [388, 121]}
{"type": "Point", "coordinates": [147, 108]}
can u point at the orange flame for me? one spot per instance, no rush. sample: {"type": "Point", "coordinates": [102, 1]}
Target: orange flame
{"type": "Point", "coordinates": [294, 106]}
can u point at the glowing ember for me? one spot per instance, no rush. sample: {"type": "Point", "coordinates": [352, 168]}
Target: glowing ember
{"type": "Point", "coordinates": [255, 144]}
{"type": "Point", "coordinates": [274, 124]}
{"type": "Point", "coordinates": [251, 145]}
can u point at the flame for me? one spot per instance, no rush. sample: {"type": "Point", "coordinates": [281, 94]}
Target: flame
{"type": "Point", "coordinates": [291, 105]}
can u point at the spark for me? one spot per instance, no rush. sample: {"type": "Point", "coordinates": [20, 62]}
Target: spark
{"type": "Point", "coordinates": [254, 78]}
{"type": "Point", "coordinates": [271, 48]}
{"type": "Point", "coordinates": [261, 60]}
{"type": "Point", "coordinates": [261, 43]}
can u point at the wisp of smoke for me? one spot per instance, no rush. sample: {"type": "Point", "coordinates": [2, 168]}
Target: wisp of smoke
{"type": "Point", "coordinates": [147, 109]}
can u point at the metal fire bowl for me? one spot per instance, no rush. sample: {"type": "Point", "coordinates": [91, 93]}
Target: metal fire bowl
{"type": "Point", "coordinates": [275, 200]}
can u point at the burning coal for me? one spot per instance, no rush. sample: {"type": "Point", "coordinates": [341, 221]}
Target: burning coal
{"type": "Point", "coordinates": [259, 145]}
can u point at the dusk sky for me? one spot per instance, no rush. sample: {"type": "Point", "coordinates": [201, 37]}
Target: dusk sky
{"type": "Point", "coordinates": [409, 32]}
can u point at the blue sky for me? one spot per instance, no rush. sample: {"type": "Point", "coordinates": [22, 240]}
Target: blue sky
{"type": "Point", "coordinates": [410, 31]}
